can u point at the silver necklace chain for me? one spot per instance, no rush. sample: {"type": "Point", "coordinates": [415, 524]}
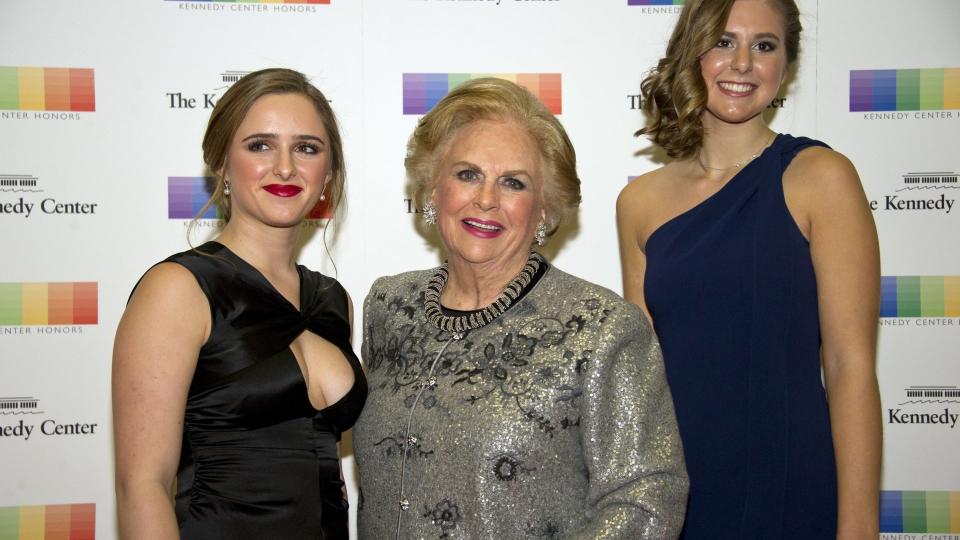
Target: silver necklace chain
{"type": "Point", "coordinates": [738, 164]}
{"type": "Point", "coordinates": [409, 442]}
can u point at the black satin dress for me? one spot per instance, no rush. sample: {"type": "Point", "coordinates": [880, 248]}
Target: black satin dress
{"type": "Point", "coordinates": [258, 461]}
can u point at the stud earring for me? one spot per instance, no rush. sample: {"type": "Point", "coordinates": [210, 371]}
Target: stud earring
{"type": "Point", "coordinates": [226, 188]}
{"type": "Point", "coordinates": [430, 213]}
{"type": "Point", "coordinates": [541, 235]}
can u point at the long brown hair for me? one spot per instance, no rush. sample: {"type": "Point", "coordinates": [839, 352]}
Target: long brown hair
{"type": "Point", "coordinates": [674, 95]}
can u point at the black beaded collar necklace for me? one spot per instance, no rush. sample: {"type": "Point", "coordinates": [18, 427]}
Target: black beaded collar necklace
{"type": "Point", "coordinates": [477, 319]}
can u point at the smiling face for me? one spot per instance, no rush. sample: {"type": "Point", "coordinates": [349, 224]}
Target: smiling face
{"type": "Point", "coordinates": [278, 161]}
{"type": "Point", "coordinates": [488, 190]}
{"type": "Point", "coordinates": [744, 70]}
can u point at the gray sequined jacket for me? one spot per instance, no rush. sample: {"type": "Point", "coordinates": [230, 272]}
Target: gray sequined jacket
{"type": "Point", "coordinates": [553, 421]}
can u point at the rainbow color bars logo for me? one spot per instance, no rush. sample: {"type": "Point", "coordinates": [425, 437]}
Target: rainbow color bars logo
{"type": "Point", "coordinates": [920, 296]}
{"type": "Point", "coordinates": [43, 304]}
{"type": "Point", "coordinates": [47, 89]}
{"type": "Point", "coordinates": [904, 89]}
{"type": "Point", "coordinates": [920, 511]}
{"type": "Point", "coordinates": [421, 91]}
{"type": "Point", "coordinates": [258, 1]}
{"type": "Point", "coordinates": [186, 196]}
{"type": "Point", "coordinates": [51, 522]}
{"type": "Point", "coordinates": [654, 2]}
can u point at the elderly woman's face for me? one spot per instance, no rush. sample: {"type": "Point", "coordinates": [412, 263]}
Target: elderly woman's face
{"type": "Point", "coordinates": [488, 192]}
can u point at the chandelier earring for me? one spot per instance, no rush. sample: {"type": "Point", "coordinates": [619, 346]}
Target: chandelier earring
{"type": "Point", "coordinates": [541, 235]}
{"type": "Point", "coordinates": [430, 213]}
{"type": "Point", "coordinates": [226, 188]}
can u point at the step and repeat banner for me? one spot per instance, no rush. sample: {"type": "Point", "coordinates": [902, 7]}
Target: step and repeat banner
{"type": "Point", "coordinates": [103, 104]}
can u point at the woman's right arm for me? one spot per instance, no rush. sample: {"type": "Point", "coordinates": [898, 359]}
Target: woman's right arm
{"type": "Point", "coordinates": [633, 261]}
{"type": "Point", "coordinates": [631, 445]}
{"type": "Point", "coordinates": [154, 357]}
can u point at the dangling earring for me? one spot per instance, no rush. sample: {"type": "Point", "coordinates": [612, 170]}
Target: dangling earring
{"type": "Point", "coordinates": [430, 213]}
{"type": "Point", "coordinates": [226, 188]}
{"type": "Point", "coordinates": [541, 234]}
{"type": "Point", "coordinates": [323, 196]}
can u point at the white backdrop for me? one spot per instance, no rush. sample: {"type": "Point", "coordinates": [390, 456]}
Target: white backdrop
{"type": "Point", "coordinates": [156, 65]}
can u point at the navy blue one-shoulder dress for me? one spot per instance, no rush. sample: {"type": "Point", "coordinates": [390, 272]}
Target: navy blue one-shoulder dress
{"type": "Point", "coordinates": [731, 288]}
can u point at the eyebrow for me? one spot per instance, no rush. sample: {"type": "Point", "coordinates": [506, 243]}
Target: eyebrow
{"type": "Point", "coordinates": [274, 136]}
{"type": "Point", "coordinates": [764, 35]}
{"type": "Point", "coordinates": [515, 172]}
{"type": "Point", "coordinates": [768, 35]}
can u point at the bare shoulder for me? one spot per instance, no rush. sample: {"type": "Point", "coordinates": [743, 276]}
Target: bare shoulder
{"type": "Point", "coordinates": [644, 188]}
{"type": "Point", "coordinates": [159, 337]}
{"type": "Point", "coordinates": [168, 296]}
{"type": "Point", "coordinates": [823, 192]}
{"type": "Point", "coordinates": [168, 283]}
{"type": "Point", "coordinates": [647, 202]}
{"type": "Point", "coordinates": [638, 200]}
{"type": "Point", "coordinates": [822, 171]}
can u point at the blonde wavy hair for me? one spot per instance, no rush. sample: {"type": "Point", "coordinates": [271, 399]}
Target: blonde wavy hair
{"type": "Point", "coordinates": [490, 98]}
{"type": "Point", "coordinates": [674, 94]}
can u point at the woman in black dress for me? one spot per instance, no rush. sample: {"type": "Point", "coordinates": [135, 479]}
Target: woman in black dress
{"type": "Point", "coordinates": [233, 374]}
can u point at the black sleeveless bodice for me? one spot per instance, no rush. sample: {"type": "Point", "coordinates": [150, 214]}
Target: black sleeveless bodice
{"type": "Point", "coordinates": [258, 461]}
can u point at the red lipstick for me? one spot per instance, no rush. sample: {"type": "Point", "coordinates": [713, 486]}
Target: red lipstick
{"type": "Point", "coordinates": [283, 190]}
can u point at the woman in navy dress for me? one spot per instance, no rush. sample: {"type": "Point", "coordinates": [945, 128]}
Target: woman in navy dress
{"type": "Point", "coordinates": [233, 374]}
{"type": "Point", "coordinates": [756, 257]}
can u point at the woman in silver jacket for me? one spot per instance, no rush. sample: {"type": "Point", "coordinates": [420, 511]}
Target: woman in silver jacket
{"type": "Point", "coordinates": [508, 399]}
